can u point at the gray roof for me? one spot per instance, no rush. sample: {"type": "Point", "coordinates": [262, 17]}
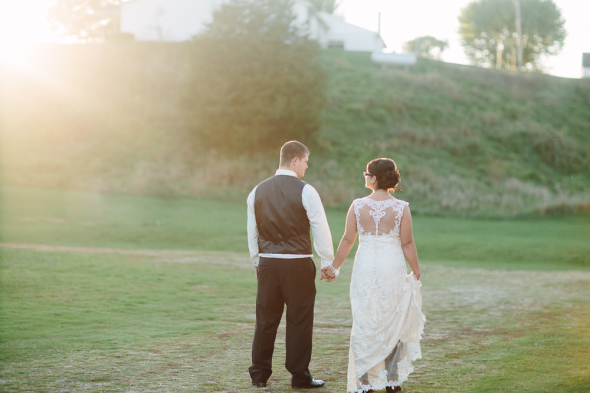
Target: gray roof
{"type": "Point", "coordinates": [586, 60]}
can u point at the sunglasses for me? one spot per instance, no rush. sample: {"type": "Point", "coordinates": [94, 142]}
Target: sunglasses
{"type": "Point", "coordinates": [367, 174]}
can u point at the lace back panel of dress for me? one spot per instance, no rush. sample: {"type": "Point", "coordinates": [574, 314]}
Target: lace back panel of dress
{"type": "Point", "coordinates": [378, 217]}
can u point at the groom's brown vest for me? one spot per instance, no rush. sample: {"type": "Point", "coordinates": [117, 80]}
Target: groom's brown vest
{"type": "Point", "coordinates": [283, 226]}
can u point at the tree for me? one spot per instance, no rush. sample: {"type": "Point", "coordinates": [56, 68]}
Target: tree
{"type": "Point", "coordinates": [255, 82]}
{"type": "Point", "coordinates": [488, 32]}
{"type": "Point", "coordinates": [85, 20]}
{"type": "Point", "coordinates": [426, 46]}
{"type": "Point", "coordinates": [329, 6]}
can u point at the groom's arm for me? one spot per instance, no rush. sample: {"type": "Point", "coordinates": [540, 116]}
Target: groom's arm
{"type": "Point", "coordinates": [252, 229]}
{"type": "Point", "coordinates": [322, 239]}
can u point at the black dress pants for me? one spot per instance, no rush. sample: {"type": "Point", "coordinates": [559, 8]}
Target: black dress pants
{"type": "Point", "coordinates": [280, 282]}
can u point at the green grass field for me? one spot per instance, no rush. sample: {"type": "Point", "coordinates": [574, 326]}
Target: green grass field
{"type": "Point", "coordinates": [159, 296]}
{"type": "Point", "coordinates": [70, 218]}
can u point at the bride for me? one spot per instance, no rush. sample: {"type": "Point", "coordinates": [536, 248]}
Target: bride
{"type": "Point", "coordinates": [386, 302]}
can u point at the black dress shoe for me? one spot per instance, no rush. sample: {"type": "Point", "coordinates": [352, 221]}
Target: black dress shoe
{"type": "Point", "coordinates": [259, 384]}
{"type": "Point", "coordinates": [315, 383]}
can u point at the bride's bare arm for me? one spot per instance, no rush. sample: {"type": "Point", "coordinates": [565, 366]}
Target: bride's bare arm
{"type": "Point", "coordinates": [347, 240]}
{"type": "Point", "coordinates": [407, 240]}
{"type": "Point", "coordinates": [345, 246]}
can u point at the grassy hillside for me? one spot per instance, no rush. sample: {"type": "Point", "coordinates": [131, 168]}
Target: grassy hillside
{"type": "Point", "coordinates": [465, 139]}
{"type": "Point", "coordinates": [468, 141]}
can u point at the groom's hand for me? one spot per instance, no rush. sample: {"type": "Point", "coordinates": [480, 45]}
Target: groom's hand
{"type": "Point", "coordinates": [256, 269]}
{"type": "Point", "coordinates": [327, 274]}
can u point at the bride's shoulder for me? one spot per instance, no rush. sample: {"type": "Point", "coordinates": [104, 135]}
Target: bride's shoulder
{"type": "Point", "coordinates": [400, 202]}
{"type": "Point", "coordinates": [357, 202]}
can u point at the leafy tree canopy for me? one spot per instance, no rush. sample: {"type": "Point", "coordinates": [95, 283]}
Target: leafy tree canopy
{"type": "Point", "coordinates": [489, 25]}
{"type": "Point", "coordinates": [328, 6]}
{"type": "Point", "coordinates": [426, 46]}
{"type": "Point", "coordinates": [256, 83]}
{"type": "Point", "coordinates": [84, 20]}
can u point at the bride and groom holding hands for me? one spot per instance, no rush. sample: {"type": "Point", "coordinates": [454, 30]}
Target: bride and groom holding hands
{"type": "Point", "coordinates": [385, 301]}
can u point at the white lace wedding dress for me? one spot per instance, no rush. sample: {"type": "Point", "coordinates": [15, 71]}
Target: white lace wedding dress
{"type": "Point", "coordinates": [386, 302]}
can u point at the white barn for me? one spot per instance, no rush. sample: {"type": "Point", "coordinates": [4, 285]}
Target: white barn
{"type": "Point", "coordinates": [341, 34]}
{"type": "Point", "coordinates": [180, 20]}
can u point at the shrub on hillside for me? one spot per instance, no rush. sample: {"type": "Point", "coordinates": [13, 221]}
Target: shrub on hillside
{"type": "Point", "coordinates": [255, 82]}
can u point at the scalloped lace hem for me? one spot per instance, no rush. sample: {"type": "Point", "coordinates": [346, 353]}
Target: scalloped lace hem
{"type": "Point", "coordinates": [382, 382]}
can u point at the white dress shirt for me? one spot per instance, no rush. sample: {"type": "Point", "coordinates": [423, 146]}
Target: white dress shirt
{"type": "Point", "coordinates": [322, 239]}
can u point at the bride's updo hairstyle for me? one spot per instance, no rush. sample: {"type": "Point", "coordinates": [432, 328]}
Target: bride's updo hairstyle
{"type": "Point", "coordinates": [385, 170]}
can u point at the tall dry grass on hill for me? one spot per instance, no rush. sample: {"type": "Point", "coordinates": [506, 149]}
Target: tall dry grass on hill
{"type": "Point", "coordinates": [468, 141]}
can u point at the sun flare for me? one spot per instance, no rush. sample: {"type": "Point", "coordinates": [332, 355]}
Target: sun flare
{"type": "Point", "coordinates": [22, 23]}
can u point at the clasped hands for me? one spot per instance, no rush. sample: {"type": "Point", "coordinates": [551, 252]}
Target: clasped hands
{"type": "Point", "coordinates": [328, 274]}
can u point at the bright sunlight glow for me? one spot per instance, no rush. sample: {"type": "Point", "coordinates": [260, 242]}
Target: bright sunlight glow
{"type": "Point", "coordinates": [22, 22]}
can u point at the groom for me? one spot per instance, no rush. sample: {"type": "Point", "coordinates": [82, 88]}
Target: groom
{"type": "Point", "coordinates": [281, 212]}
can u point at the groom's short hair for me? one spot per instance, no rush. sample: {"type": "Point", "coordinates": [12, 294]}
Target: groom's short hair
{"type": "Point", "coordinates": [290, 150]}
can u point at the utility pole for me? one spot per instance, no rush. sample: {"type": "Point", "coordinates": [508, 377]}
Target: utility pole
{"type": "Point", "coordinates": [519, 32]}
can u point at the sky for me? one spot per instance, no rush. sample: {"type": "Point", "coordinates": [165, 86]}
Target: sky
{"type": "Point", "coordinates": [24, 21]}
